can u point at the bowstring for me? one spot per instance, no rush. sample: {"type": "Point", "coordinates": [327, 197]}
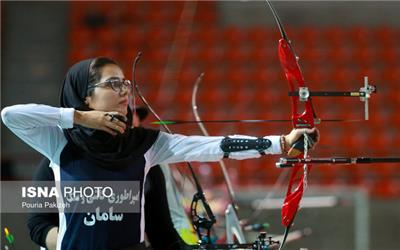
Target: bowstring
{"type": "Point", "coordinates": [305, 166]}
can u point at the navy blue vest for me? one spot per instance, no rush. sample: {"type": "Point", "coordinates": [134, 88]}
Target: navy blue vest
{"type": "Point", "coordinates": [104, 234]}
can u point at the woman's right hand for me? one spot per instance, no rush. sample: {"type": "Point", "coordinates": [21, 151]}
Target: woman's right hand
{"type": "Point", "coordinates": [100, 120]}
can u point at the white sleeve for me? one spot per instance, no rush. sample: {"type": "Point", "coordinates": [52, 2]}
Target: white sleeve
{"type": "Point", "coordinates": [40, 126]}
{"type": "Point", "coordinates": [173, 148]}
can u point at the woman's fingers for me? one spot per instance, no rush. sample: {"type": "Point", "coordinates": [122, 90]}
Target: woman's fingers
{"type": "Point", "coordinates": [314, 132]}
{"type": "Point", "coordinates": [307, 130]}
{"type": "Point", "coordinates": [119, 127]}
{"type": "Point", "coordinates": [120, 124]}
{"type": "Point", "coordinates": [116, 116]}
{"type": "Point", "coordinates": [296, 134]}
{"type": "Point", "coordinates": [317, 135]}
{"type": "Point", "coordinates": [114, 121]}
{"type": "Point", "coordinates": [110, 122]}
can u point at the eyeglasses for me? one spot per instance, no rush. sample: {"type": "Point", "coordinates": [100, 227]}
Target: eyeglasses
{"type": "Point", "coordinates": [116, 84]}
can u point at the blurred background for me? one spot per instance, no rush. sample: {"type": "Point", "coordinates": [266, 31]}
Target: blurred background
{"type": "Point", "coordinates": [235, 44]}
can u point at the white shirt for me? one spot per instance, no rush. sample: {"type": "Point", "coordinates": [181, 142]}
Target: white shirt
{"type": "Point", "coordinates": [40, 126]}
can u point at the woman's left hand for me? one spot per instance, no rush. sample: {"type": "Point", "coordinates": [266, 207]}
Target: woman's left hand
{"type": "Point", "coordinates": [296, 133]}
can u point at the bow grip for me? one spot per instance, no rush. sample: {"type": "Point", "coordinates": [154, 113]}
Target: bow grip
{"type": "Point", "coordinates": [298, 147]}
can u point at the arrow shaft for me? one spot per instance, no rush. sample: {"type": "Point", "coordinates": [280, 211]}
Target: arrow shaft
{"type": "Point", "coordinates": [176, 122]}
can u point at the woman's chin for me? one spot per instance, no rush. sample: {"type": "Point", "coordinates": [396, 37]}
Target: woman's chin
{"type": "Point", "coordinates": [123, 111]}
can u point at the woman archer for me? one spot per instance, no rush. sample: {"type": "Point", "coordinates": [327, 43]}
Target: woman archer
{"type": "Point", "coordinates": [90, 138]}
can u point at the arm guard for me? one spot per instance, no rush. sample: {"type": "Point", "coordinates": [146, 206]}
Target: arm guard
{"type": "Point", "coordinates": [229, 145]}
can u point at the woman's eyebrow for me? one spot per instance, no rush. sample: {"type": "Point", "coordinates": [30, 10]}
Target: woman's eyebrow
{"type": "Point", "coordinates": [113, 78]}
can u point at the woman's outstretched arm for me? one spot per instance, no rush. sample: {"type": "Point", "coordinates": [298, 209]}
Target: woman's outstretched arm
{"type": "Point", "coordinates": [180, 148]}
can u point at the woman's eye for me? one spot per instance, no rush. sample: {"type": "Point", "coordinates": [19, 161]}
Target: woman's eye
{"type": "Point", "coordinates": [117, 83]}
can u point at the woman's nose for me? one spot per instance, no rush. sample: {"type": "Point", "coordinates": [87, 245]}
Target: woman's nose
{"type": "Point", "coordinates": [124, 90]}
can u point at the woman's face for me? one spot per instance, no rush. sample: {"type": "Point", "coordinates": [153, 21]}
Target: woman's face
{"type": "Point", "coordinates": [104, 97]}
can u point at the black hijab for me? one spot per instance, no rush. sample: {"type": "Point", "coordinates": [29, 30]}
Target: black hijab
{"type": "Point", "coordinates": [104, 149]}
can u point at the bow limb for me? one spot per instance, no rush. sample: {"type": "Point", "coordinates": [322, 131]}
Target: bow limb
{"type": "Point", "coordinates": [232, 224]}
{"type": "Point", "coordinates": [198, 221]}
{"type": "Point", "coordinates": [205, 132]}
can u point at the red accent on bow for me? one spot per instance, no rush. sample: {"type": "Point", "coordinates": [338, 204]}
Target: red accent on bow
{"type": "Point", "coordinates": [289, 62]}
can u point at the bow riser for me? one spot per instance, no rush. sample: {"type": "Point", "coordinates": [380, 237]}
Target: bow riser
{"type": "Point", "coordinates": [294, 76]}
